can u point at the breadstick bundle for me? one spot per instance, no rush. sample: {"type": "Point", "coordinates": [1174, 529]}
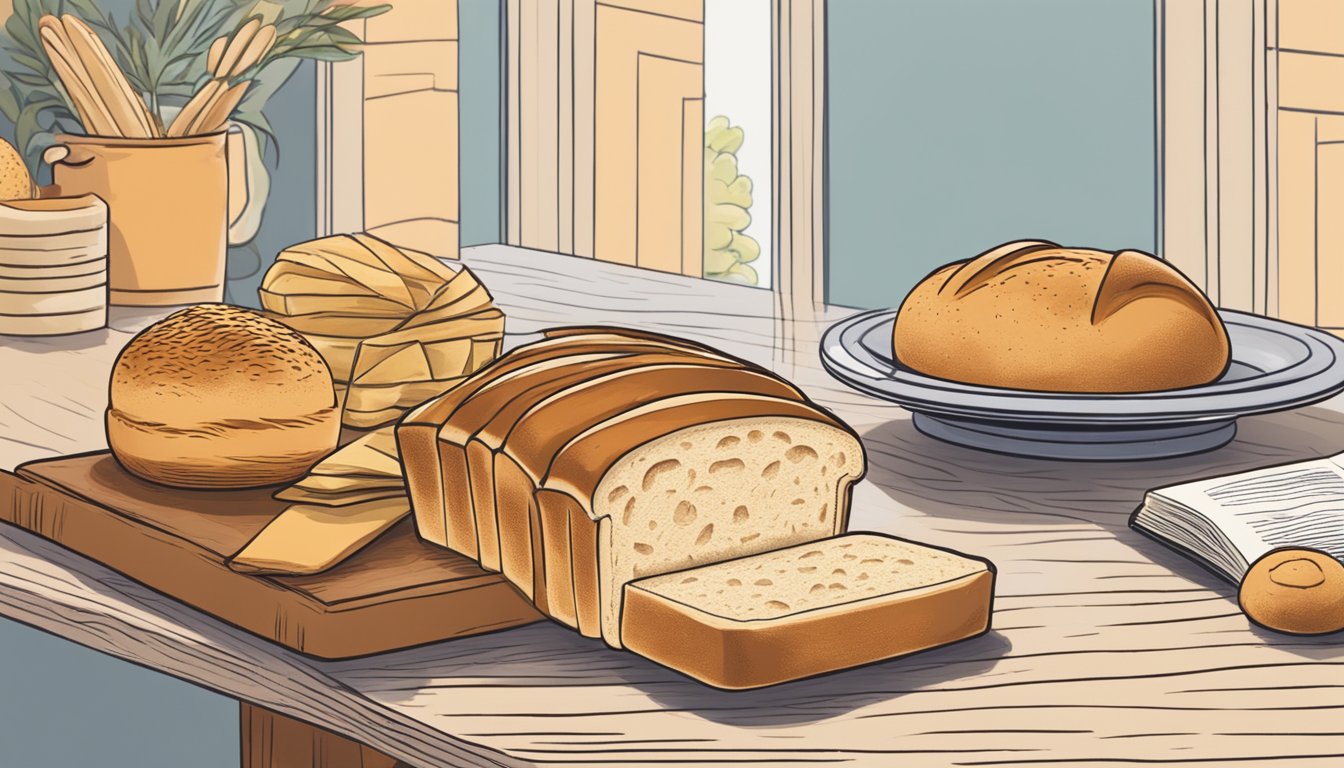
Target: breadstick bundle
{"type": "Point", "coordinates": [228, 60]}
{"type": "Point", "coordinates": [107, 104]}
{"type": "Point", "coordinates": [166, 187]}
{"type": "Point", "coordinates": [396, 327]}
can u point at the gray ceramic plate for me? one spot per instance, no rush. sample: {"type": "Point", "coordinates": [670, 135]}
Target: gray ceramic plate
{"type": "Point", "coordinates": [1275, 366]}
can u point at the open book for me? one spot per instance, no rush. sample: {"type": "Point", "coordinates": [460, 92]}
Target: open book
{"type": "Point", "coordinates": [1228, 522]}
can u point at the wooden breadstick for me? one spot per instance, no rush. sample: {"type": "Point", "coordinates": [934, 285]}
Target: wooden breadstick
{"type": "Point", "coordinates": [215, 116]}
{"type": "Point", "coordinates": [122, 102]}
{"type": "Point", "coordinates": [241, 39]}
{"type": "Point", "coordinates": [255, 51]}
{"type": "Point", "coordinates": [216, 54]}
{"type": "Point", "coordinates": [193, 109]}
{"type": "Point", "coordinates": [92, 112]}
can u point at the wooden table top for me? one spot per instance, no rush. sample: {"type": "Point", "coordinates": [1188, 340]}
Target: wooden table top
{"type": "Point", "coordinates": [1106, 648]}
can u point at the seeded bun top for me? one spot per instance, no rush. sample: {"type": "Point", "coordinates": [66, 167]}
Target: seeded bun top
{"type": "Point", "coordinates": [214, 363]}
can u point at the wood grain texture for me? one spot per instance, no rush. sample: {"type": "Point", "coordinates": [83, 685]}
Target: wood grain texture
{"type": "Point", "coordinates": [513, 98]}
{"type": "Point", "coordinates": [1297, 216]}
{"type": "Point", "coordinates": [270, 740]}
{"type": "Point", "coordinates": [1236, 152]}
{"type": "Point", "coordinates": [1182, 80]}
{"type": "Point", "coordinates": [1221, 82]}
{"type": "Point", "coordinates": [585, 19]}
{"type": "Point", "coordinates": [1330, 234]}
{"type": "Point", "coordinates": [395, 593]}
{"type": "Point", "coordinates": [1107, 649]}
{"type": "Point", "coordinates": [798, 155]}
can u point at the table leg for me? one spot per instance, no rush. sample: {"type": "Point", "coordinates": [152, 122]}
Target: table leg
{"type": "Point", "coordinates": [271, 740]}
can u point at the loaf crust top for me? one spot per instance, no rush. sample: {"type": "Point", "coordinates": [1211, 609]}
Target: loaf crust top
{"type": "Point", "coordinates": [1034, 315]}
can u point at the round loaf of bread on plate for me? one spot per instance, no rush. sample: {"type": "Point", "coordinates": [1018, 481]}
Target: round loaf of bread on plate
{"type": "Point", "coordinates": [1033, 315]}
{"type": "Point", "coordinates": [216, 396]}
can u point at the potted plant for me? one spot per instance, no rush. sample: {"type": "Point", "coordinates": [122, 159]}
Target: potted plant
{"type": "Point", "coordinates": [169, 52]}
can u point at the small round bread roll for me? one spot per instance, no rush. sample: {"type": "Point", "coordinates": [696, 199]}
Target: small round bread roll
{"type": "Point", "coordinates": [1299, 591]}
{"type": "Point", "coordinates": [216, 396]}
{"type": "Point", "coordinates": [1033, 315]}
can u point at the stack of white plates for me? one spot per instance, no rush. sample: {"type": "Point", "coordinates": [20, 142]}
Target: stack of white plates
{"type": "Point", "coordinates": [53, 266]}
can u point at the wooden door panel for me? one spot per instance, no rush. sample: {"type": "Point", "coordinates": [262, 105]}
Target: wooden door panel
{"type": "Point", "coordinates": [689, 10]}
{"type": "Point", "coordinates": [661, 169]}
{"type": "Point", "coordinates": [539, 124]}
{"type": "Point", "coordinates": [1297, 217]}
{"type": "Point", "coordinates": [606, 130]}
{"type": "Point", "coordinates": [1310, 266]}
{"type": "Point", "coordinates": [693, 187]}
{"type": "Point", "coordinates": [647, 67]}
{"type": "Point", "coordinates": [1330, 235]}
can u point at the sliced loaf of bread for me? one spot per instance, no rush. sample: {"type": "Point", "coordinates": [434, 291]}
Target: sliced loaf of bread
{"type": "Point", "coordinates": [807, 609]}
{"type": "Point", "coordinates": [695, 479]}
{"type": "Point", "coordinates": [516, 447]}
{"type": "Point", "coordinates": [478, 428]}
{"type": "Point", "coordinates": [674, 500]}
{"type": "Point", "coordinates": [417, 434]}
{"type": "Point", "coordinates": [504, 468]}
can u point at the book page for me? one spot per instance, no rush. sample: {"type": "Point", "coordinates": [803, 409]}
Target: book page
{"type": "Point", "coordinates": [1294, 505]}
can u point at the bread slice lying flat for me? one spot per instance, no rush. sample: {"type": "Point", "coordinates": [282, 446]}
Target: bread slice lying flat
{"type": "Point", "coordinates": [806, 610]}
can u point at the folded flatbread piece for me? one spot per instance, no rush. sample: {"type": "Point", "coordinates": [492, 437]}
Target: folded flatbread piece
{"type": "Point", "coordinates": [344, 502]}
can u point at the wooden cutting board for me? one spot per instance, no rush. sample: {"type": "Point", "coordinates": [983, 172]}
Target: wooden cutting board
{"type": "Point", "coordinates": [395, 593]}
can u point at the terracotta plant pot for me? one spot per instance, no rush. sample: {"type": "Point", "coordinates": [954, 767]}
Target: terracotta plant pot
{"type": "Point", "coordinates": [169, 211]}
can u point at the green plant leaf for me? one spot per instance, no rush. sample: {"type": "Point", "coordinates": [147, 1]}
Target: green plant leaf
{"type": "Point", "coordinates": [161, 46]}
{"type": "Point", "coordinates": [29, 79]}
{"type": "Point", "coordinates": [22, 32]}
{"type": "Point", "coordinates": [344, 13]}
{"type": "Point", "coordinates": [30, 61]}
{"type": "Point", "coordinates": [29, 125]}
{"type": "Point", "coordinates": [9, 101]}
{"type": "Point", "coordinates": [322, 53]}
{"type": "Point", "coordinates": [164, 16]}
{"type": "Point", "coordinates": [259, 123]}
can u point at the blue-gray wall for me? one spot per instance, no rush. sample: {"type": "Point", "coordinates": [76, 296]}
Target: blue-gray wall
{"type": "Point", "coordinates": [480, 85]}
{"type": "Point", "coordinates": [955, 125]}
{"type": "Point", "coordinates": [63, 706]}
{"type": "Point", "coordinates": [291, 210]}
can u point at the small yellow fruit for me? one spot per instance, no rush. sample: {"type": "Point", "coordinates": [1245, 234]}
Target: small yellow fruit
{"type": "Point", "coordinates": [1299, 591]}
{"type": "Point", "coordinates": [15, 183]}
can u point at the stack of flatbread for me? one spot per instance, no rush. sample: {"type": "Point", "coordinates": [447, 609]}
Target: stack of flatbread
{"type": "Point", "coordinates": [397, 327]}
{"type": "Point", "coordinates": [344, 503]}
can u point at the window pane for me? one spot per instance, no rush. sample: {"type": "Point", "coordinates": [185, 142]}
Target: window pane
{"type": "Point", "coordinates": [737, 137]}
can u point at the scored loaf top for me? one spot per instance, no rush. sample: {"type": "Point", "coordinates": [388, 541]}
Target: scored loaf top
{"type": "Point", "coordinates": [1033, 315]}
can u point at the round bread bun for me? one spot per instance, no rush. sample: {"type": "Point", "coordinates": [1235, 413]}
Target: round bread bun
{"type": "Point", "coordinates": [1298, 591]}
{"type": "Point", "coordinates": [216, 396]}
{"type": "Point", "coordinates": [1032, 315]}
{"type": "Point", "coordinates": [15, 181]}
